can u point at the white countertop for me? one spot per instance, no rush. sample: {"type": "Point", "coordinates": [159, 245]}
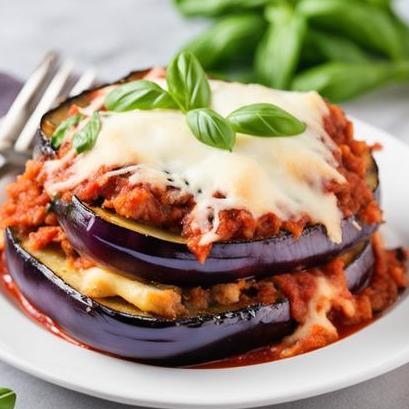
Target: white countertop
{"type": "Point", "coordinates": [119, 36]}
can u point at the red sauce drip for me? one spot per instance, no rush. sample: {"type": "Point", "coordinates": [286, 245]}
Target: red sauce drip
{"type": "Point", "coordinates": [269, 353]}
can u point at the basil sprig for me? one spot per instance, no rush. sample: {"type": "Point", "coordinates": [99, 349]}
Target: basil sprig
{"type": "Point", "coordinates": [7, 398]}
{"type": "Point", "coordinates": [187, 82]}
{"type": "Point", "coordinates": [86, 137]}
{"type": "Point", "coordinates": [265, 120]}
{"type": "Point", "coordinates": [211, 128]}
{"type": "Point", "coordinates": [141, 94]}
{"type": "Point", "coordinates": [62, 129]}
{"type": "Point", "coordinates": [189, 90]}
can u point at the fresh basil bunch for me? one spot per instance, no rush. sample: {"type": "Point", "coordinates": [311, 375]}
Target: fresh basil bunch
{"type": "Point", "coordinates": [189, 91]}
{"type": "Point", "coordinates": [296, 39]}
{"type": "Point", "coordinates": [340, 81]}
{"type": "Point", "coordinates": [210, 8]}
{"type": "Point", "coordinates": [7, 398]}
{"type": "Point", "coordinates": [231, 41]}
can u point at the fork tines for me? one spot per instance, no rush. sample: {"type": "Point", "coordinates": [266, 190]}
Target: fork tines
{"type": "Point", "coordinates": [51, 80]}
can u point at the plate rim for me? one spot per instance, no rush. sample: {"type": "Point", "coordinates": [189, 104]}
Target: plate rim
{"type": "Point", "coordinates": [399, 358]}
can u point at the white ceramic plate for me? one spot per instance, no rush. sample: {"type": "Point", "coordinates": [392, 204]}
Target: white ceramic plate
{"type": "Point", "coordinates": [381, 347]}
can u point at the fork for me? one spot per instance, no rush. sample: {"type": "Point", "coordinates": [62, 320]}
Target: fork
{"type": "Point", "coordinates": [50, 82]}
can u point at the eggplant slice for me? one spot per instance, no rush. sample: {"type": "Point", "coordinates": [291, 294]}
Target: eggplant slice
{"type": "Point", "coordinates": [126, 246]}
{"type": "Point", "coordinates": [150, 339]}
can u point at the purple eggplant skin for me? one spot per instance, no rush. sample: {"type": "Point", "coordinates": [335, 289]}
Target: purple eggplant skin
{"type": "Point", "coordinates": [172, 263]}
{"type": "Point", "coordinates": [146, 339]}
{"type": "Point", "coordinates": [359, 272]}
{"type": "Point", "coordinates": [155, 340]}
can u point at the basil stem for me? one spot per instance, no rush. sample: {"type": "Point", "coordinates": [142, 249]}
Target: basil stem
{"type": "Point", "coordinates": [141, 94]}
{"type": "Point", "coordinates": [278, 54]}
{"type": "Point", "coordinates": [86, 137]}
{"type": "Point", "coordinates": [187, 82]}
{"type": "Point", "coordinates": [231, 39]}
{"type": "Point", "coordinates": [62, 130]}
{"type": "Point", "coordinates": [211, 8]}
{"type": "Point", "coordinates": [265, 120]}
{"type": "Point", "coordinates": [211, 128]}
{"type": "Point", "coordinates": [339, 81]}
{"type": "Point", "coordinates": [7, 398]}
{"type": "Point", "coordinates": [366, 24]}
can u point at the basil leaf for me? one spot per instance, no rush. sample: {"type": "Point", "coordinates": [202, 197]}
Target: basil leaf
{"type": "Point", "coordinates": [366, 24]}
{"type": "Point", "coordinates": [141, 94]}
{"type": "Point", "coordinates": [324, 47]}
{"type": "Point", "coordinates": [211, 128]}
{"type": "Point", "coordinates": [342, 81]}
{"type": "Point", "coordinates": [187, 82]}
{"type": "Point", "coordinates": [384, 4]}
{"type": "Point", "coordinates": [265, 120]}
{"type": "Point", "coordinates": [62, 129]}
{"type": "Point", "coordinates": [278, 54]}
{"type": "Point", "coordinates": [86, 137]}
{"type": "Point", "coordinates": [7, 398]}
{"type": "Point", "coordinates": [230, 40]}
{"type": "Point", "coordinates": [210, 8]}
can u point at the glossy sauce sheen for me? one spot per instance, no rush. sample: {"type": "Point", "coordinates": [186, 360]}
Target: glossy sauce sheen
{"type": "Point", "coordinates": [259, 356]}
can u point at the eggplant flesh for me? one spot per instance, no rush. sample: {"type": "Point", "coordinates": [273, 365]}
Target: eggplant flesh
{"type": "Point", "coordinates": [200, 338]}
{"type": "Point", "coordinates": [171, 262]}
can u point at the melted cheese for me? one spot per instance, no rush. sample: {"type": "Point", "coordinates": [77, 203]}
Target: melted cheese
{"type": "Point", "coordinates": [97, 282]}
{"type": "Point", "coordinates": [327, 295]}
{"type": "Point", "coordinates": [283, 175]}
{"type": "Point", "coordinates": [103, 284]}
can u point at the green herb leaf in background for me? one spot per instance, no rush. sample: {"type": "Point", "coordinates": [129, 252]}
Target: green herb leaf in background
{"type": "Point", "coordinates": [211, 8]}
{"type": "Point", "coordinates": [301, 34]}
{"type": "Point", "coordinates": [404, 33]}
{"type": "Point", "coordinates": [384, 4]}
{"type": "Point", "coordinates": [62, 130]}
{"type": "Point", "coordinates": [278, 54]}
{"type": "Point", "coordinates": [231, 39]}
{"type": "Point", "coordinates": [86, 137]}
{"type": "Point", "coordinates": [211, 128]}
{"type": "Point", "coordinates": [329, 47]}
{"type": "Point", "coordinates": [265, 120]}
{"type": "Point", "coordinates": [368, 25]}
{"type": "Point", "coordinates": [341, 81]}
{"type": "Point", "coordinates": [187, 82]}
{"type": "Point", "coordinates": [240, 74]}
{"type": "Point", "coordinates": [7, 398]}
{"type": "Point", "coordinates": [141, 94]}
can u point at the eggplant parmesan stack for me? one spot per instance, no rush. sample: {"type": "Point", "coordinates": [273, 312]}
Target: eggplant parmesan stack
{"type": "Point", "coordinates": [141, 234]}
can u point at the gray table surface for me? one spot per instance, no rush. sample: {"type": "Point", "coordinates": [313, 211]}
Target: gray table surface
{"type": "Point", "coordinates": [117, 36]}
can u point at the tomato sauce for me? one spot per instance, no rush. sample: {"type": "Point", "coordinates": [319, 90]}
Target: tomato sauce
{"type": "Point", "coordinates": [270, 353]}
